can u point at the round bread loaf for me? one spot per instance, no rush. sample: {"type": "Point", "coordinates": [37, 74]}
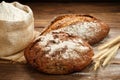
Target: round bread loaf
{"type": "Point", "coordinates": [59, 53]}
{"type": "Point", "coordinates": [87, 27]}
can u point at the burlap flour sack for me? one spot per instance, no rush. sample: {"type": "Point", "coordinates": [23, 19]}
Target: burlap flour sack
{"type": "Point", "coordinates": [16, 27]}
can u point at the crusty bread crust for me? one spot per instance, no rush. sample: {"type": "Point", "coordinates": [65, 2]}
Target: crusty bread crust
{"type": "Point", "coordinates": [59, 61]}
{"type": "Point", "coordinates": [64, 21]}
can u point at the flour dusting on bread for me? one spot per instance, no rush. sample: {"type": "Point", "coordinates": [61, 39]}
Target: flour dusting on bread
{"type": "Point", "coordinates": [51, 44]}
{"type": "Point", "coordinates": [84, 29]}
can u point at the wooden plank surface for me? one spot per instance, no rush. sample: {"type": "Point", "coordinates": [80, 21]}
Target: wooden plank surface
{"type": "Point", "coordinates": [44, 13]}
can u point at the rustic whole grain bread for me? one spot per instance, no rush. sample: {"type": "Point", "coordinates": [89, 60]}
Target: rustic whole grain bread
{"type": "Point", "coordinates": [87, 27]}
{"type": "Point", "coordinates": [59, 53]}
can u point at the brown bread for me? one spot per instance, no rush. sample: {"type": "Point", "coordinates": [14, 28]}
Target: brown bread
{"type": "Point", "coordinates": [59, 53]}
{"type": "Point", "coordinates": [87, 27]}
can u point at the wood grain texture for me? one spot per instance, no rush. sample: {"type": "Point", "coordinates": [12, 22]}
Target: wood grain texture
{"type": "Point", "coordinates": [44, 13]}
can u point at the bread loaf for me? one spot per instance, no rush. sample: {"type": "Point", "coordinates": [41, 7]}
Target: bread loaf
{"type": "Point", "coordinates": [87, 27]}
{"type": "Point", "coordinates": [59, 53]}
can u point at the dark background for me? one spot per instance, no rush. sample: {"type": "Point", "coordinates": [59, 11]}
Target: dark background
{"type": "Point", "coordinates": [63, 0]}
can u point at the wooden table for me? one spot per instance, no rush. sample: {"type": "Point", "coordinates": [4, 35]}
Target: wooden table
{"type": "Point", "coordinates": [44, 13]}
